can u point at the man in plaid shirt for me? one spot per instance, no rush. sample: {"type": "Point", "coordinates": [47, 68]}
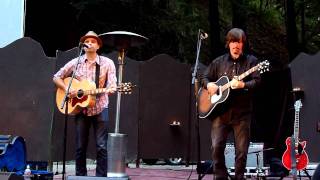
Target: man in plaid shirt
{"type": "Point", "coordinates": [89, 65]}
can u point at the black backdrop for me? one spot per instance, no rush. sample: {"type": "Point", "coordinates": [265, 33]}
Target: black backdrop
{"type": "Point", "coordinates": [163, 94]}
{"type": "Point", "coordinates": [305, 75]}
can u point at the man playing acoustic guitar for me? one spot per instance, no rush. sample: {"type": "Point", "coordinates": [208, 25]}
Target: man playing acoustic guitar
{"type": "Point", "coordinates": [234, 114]}
{"type": "Point", "coordinates": [101, 70]}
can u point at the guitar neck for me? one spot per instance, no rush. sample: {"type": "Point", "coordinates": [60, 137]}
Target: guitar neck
{"type": "Point", "coordinates": [297, 106]}
{"type": "Point", "coordinates": [240, 77]}
{"type": "Point", "coordinates": [296, 126]}
{"type": "Point", "coordinates": [96, 91]}
{"type": "Point", "coordinates": [247, 73]}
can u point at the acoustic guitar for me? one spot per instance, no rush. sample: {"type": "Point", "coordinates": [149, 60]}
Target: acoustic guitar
{"type": "Point", "coordinates": [207, 103]}
{"type": "Point", "coordinates": [86, 94]}
{"type": "Point", "coordinates": [299, 156]}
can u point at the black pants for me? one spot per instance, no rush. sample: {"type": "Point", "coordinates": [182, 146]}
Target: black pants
{"type": "Point", "coordinates": [221, 127]}
{"type": "Point", "coordinates": [99, 123]}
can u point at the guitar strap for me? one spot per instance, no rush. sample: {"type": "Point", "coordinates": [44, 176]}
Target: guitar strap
{"type": "Point", "coordinates": [97, 73]}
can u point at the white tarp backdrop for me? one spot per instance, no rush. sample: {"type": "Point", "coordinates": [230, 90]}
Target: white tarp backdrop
{"type": "Point", "coordinates": [12, 17]}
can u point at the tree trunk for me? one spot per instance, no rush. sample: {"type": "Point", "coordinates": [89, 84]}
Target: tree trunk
{"type": "Point", "coordinates": [292, 36]}
{"type": "Point", "coordinates": [216, 47]}
{"type": "Point", "coordinates": [239, 14]}
{"type": "Point", "coordinates": [303, 30]}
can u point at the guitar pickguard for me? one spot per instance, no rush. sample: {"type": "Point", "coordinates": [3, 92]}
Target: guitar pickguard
{"type": "Point", "coordinates": [207, 103]}
{"type": "Point", "coordinates": [75, 100]}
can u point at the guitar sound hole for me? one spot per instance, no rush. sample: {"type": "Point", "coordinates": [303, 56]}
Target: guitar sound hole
{"type": "Point", "coordinates": [218, 92]}
{"type": "Point", "coordinates": [80, 94]}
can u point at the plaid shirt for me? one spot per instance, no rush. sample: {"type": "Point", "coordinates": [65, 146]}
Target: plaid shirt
{"type": "Point", "coordinates": [87, 71]}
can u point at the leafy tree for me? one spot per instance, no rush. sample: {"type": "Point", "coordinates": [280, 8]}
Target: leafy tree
{"type": "Point", "coordinates": [172, 26]}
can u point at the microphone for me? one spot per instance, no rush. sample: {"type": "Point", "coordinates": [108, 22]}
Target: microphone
{"type": "Point", "coordinates": [83, 45]}
{"type": "Point", "coordinates": [203, 35]}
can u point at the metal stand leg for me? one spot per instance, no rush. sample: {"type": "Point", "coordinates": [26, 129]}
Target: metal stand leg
{"type": "Point", "coordinates": [259, 169]}
{"type": "Point", "coordinates": [117, 143]}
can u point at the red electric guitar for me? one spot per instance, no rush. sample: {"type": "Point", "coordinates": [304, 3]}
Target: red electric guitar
{"type": "Point", "coordinates": [298, 153]}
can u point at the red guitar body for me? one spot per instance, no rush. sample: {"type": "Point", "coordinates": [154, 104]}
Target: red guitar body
{"type": "Point", "coordinates": [302, 159]}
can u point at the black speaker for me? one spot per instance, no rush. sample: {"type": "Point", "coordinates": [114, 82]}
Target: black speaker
{"type": "Point", "coordinates": [10, 176]}
{"type": "Point", "coordinates": [95, 178]}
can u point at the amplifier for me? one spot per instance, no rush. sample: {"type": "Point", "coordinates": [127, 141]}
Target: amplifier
{"type": "Point", "coordinates": [255, 150]}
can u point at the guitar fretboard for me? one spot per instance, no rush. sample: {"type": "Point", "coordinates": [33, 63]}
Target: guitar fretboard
{"type": "Point", "coordinates": [297, 107]}
{"type": "Point", "coordinates": [241, 76]}
{"type": "Point", "coordinates": [96, 91]}
{"type": "Point", "coordinates": [296, 126]}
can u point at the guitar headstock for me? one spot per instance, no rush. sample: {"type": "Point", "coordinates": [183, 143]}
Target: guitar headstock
{"type": "Point", "coordinates": [297, 105]}
{"type": "Point", "coordinates": [263, 66]}
{"type": "Point", "coordinates": [125, 88]}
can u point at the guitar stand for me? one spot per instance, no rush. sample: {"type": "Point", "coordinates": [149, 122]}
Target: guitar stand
{"type": "Point", "coordinates": [306, 172]}
{"type": "Point", "coordinates": [258, 169]}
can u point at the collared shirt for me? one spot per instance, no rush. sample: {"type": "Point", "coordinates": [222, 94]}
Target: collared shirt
{"type": "Point", "coordinates": [226, 66]}
{"type": "Point", "coordinates": [87, 71]}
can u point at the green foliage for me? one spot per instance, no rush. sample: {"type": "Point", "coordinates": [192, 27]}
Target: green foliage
{"type": "Point", "coordinates": [271, 11]}
{"type": "Point", "coordinates": [176, 28]}
{"type": "Point", "coordinates": [172, 26]}
{"type": "Point", "coordinates": [312, 26]}
{"type": "Point", "coordinates": [172, 29]}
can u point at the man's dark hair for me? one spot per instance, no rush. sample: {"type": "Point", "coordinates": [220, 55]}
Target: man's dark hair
{"type": "Point", "coordinates": [235, 35]}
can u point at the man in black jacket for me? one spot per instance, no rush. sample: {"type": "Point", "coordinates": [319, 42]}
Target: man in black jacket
{"type": "Point", "coordinates": [234, 114]}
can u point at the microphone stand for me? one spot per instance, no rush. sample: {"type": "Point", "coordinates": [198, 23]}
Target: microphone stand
{"type": "Point", "coordinates": [259, 169]}
{"type": "Point", "coordinates": [65, 103]}
{"type": "Point", "coordinates": [195, 83]}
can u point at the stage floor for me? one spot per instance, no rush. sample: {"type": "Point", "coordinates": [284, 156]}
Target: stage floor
{"type": "Point", "coordinates": [157, 172]}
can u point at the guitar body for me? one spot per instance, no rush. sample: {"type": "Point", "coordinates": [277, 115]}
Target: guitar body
{"type": "Point", "coordinates": [302, 159]}
{"type": "Point", "coordinates": [207, 103]}
{"type": "Point", "coordinates": [75, 104]}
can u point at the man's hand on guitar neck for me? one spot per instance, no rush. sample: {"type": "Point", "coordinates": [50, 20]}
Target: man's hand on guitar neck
{"type": "Point", "coordinates": [212, 88]}
{"type": "Point", "coordinates": [112, 89]}
{"type": "Point", "coordinates": [235, 84]}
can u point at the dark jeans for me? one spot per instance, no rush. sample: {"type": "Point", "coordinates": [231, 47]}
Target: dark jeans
{"type": "Point", "coordinates": [99, 124]}
{"type": "Point", "coordinates": [219, 134]}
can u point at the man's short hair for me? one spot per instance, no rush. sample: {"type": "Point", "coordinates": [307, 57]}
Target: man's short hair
{"type": "Point", "coordinates": [235, 35]}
